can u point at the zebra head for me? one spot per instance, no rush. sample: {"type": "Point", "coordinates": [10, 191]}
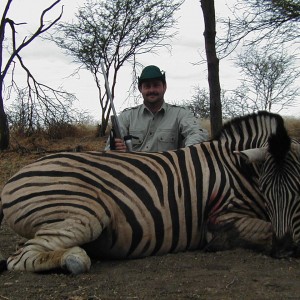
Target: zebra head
{"type": "Point", "coordinates": [278, 181]}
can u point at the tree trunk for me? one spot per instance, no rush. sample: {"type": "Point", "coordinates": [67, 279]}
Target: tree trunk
{"type": "Point", "coordinates": [208, 10]}
{"type": "Point", "coordinates": [4, 130]}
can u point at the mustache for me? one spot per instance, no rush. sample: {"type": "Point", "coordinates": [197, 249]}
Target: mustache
{"type": "Point", "coordinates": [152, 94]}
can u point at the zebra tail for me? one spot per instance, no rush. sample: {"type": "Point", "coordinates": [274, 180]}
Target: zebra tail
{"type": "Point", "coordinates": [3, 265]}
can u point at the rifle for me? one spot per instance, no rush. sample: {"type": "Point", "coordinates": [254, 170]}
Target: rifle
{"type": "Point", "coordinates": [116, 132]}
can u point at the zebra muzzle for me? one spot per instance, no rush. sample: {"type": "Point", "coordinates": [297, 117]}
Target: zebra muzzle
{"type": "Point", "coordinates": [284, 247]}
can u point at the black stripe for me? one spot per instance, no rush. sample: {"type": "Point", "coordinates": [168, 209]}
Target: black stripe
{"type": "Point", "coordinates": [48, 222]}
{"type": "Point", "coordinates": [42, 207]}
{"type": "Point", "coordinates": [171, 199]}
{"type": "Point", "coordinates": [53, 192]}
{"type": "Point", "coordinates": [141, 166]}
{"type": "Point", "coordinates": [187, 196]}
{"type": "Point", "coordinates": [212, 173]}
{"type": "Point", "coordinates": [199, 191]}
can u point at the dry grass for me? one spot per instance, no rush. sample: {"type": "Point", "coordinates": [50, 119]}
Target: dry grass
{"type": "Point", "coordinates": [81, 137]}
{"type": "Point", "coordinates": [293, 126]}
{"type": "Point", "coordinates": [205, 124]}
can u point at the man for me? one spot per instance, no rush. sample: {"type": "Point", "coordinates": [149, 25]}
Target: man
{"type": "Point", "coordinates": [156, 125]}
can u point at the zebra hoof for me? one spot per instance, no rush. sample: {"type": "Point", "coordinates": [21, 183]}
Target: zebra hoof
{"type": "Point", "coordinates": [76, 261]}
{"type": "Point", "coordinates": [3, 265]}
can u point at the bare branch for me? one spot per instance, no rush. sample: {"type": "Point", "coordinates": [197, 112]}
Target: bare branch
{"type": "Point", "coordinates": [26, 42]}
{"type": "Point", "coordinates": [257, 21]}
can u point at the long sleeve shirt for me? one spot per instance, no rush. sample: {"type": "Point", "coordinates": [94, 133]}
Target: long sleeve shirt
{"type": "Point", "coordinates": [170, 128]}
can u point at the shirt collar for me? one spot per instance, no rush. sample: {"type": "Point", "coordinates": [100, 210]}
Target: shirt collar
{"type": "Point", "coordinates": [162, 109]}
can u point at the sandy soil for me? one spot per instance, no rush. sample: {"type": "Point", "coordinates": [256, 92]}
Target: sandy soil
{"type": "Point", "coordinates": [237, 274]}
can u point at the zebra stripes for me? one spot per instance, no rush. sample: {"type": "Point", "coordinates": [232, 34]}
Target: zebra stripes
{"type": "Point", "coordinates": [125, 205]}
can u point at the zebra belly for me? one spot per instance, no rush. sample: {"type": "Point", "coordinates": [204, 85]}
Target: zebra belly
{"type": "Point", "coordinates": [125, 243]}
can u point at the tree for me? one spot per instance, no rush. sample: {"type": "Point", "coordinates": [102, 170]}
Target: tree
{"type": "Point", "coordinates": [114, 32]}
{"type": "Point", "coordinates": [199, 104]}
{"type": "Point", "coordinates": [14, 49]}
{"type": "Point", "coordinates": [27, 117]}
{"type": "Point", "coordinates": [208, 9]}
{"type": "Point", "coordinates": [256, 21]}
{"type": "Point", "coordinates": [237, 102]}
{"type": "Point", "coordinates": [232, 106]}
{"type": "Point", "coordinates": [269, 77]}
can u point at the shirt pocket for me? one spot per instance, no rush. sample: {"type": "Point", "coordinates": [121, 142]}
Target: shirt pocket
{"type": "Point", "coordinates": [166, 140]}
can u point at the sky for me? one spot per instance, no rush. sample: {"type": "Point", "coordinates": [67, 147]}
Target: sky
{"type": "Point", "coordinates": [51, 66]}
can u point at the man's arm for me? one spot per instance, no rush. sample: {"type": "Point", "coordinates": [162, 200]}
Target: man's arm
{"type": "Point", "coordinates": [190, 129]}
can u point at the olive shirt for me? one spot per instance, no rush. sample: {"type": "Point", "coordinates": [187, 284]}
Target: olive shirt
{"type": "Point", "coordinates": [169, 128]}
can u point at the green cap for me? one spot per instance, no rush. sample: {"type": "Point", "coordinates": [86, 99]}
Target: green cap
{"type": "Point", "coordinates": [151, 72]}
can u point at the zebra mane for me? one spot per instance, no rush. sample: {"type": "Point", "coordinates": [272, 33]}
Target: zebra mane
{"type": "Point", "coordinates": [257, 130]}
{"type": "Point", "coordinates": [279, 144]}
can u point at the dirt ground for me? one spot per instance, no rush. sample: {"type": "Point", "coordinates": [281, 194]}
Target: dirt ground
{"type": "Point", "coordinates": [237, 274]}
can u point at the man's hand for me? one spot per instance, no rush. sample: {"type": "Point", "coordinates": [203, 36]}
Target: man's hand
{"type": "Point", "coordinates": [120, 145]}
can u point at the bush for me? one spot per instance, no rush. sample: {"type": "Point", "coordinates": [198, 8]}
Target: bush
{"type": "Point", "coordinates": [60, 130]}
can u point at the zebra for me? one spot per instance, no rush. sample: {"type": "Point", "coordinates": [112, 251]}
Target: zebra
{"type": "Point", "coordinates": [240, 189]}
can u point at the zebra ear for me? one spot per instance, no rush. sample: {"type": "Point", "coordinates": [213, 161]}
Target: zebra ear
{"type": "Point", "coordinates": [253, 155]}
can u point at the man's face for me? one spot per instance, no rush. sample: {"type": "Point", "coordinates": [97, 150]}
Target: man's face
{"type": "Point", "coordinates": [153, 90]}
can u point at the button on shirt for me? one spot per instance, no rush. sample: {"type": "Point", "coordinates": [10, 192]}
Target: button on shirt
{"type": "Point", "coordinates": [169, 128]}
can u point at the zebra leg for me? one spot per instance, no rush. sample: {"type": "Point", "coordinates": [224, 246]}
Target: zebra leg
{"type": "Point", "coordinates": [35, 258]}
{"type": "Point", "coordinates": [56, 247]}
{"type": "Point", "coordinates": [241, 232]}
